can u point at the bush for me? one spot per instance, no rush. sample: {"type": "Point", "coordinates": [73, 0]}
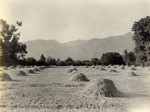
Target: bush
{"type": "Point", "coordinates": [31, 61]}
{"type": "Point", "coordinates": [112, 58]}
{"type": "Point", "coordinates": [51, 61]}
{"type": "Point", "coordinates": [95, 61]}
{"type": "Point", "coordinates": [78, 63]}
{"type": "Point", "coordinates": [69, 61]}
{"type": "Point", "coordinates": [129, 57]}
{"type": "Point", "coordinates": [60, 62]}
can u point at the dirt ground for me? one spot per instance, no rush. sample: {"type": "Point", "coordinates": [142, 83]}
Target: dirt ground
{"type": "Point", "coordinates": [50, 91]}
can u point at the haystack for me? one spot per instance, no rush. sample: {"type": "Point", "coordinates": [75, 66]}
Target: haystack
{"type": "Point", "coordinates": [92, 66]}
{"type": "Point", "coordinates": [5, 77]}
{"type": "Point", "coordinates": [97, 67]}
{"type": "Point", "coordinates": [126, 66]}
{"type": "Point", "coordinates": [141, 66]}
{"type": "Point", "coordinates": [133, 68]}
{"type": "Point", "coordinates": [20, 66]}
{"type": "Point", "coordinates": [35, 66]}
{"type": "Point", "coordinates": [28, 66]}
{"type": "Point", "coordinates": [117, 66]}
{"type": "Point", "coordinates": [70, 70]}
{"type": "Point", "coordinates": [12, 67]}
{"type": "Point", "coordinates": [112, 70]}
{"type": "Point", "coordinates": [122, 67]}
{"type": "Point", "coordinates": [114, 66]}
{"type": "Point", "coordinates": [71, 66]}
{"type": "Point", "coordinates": [78, 77]}
{"type": "Point", "coordinates": [21, 73]}
{"type": "Point", "coordinates": [102, 69]}
{"type": "Point", "coordinates": [103, 66]}
{"type": "Point", "coordinates": [101, 88]}
{"type": "Point", "coordinates": [5, 68]}
{"type": "Point", "coordinates": [42, 67]}
{"type": "Point", "coordinates": [68, 66]}
{"type": "Point", "coordinates": [30, 71]}
{"type": "Point", "coordinates": [85, 66]}
{"type": "Point", "coordinates": [108, 66]}
{"type": "Point", "coordinates": [36, 69]}
{"type": "Point", "coordinates": [132, 74]}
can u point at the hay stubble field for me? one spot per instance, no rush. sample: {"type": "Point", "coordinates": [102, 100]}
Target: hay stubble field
{"type": "Point", "coordinates": [51, 90]}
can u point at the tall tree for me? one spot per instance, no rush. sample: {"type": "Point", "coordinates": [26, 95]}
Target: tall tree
{"type": "Point", "coordinates": [0, 51]}
{"type": "Point", "coordinates": [12, 49]}
{"type": "Point", "coordinates": [51, 61]}
{"type": "Point", "coordinates": [141, 38]}
{"type": "Point", "coordinates": [42, 60]}
{"type": "Point", "coordinates": [129, 57]}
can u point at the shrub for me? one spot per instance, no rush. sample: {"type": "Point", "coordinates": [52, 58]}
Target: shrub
{"type": "Point", "coordinates": [112, 58]}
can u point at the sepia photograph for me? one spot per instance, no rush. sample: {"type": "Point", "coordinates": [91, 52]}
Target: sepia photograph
{"type": "Point", "coordinates": [74, 55]}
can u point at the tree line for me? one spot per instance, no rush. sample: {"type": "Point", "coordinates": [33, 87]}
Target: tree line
{"type": "Point", "coordinates": [110, 58]}
{"type": "Point", "coordinates": [13, 52]}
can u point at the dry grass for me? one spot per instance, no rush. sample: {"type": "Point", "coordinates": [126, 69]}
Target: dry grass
{"type": "Point", "coordinates": [49, 91]}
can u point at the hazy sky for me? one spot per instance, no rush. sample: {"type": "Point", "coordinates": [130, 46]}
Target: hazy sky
{"type": "Point", "coordinates": [66, 20]}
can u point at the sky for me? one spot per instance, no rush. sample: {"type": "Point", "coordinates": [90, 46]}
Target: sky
{"type": "Point", "coordinates": [67, 20]}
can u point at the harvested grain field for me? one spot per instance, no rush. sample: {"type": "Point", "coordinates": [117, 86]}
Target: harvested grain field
{"type": "Point", "coordinates": [49, 90]}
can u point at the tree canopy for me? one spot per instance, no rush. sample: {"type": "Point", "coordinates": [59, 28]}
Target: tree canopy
{"type": "Point", "coordinates": [112, 58]}
{"type": "Point", "coordinates": [12, 49]}
{"type": "Point", "coordinates": [129, 57]}
{"type": "Point", "coordinates": [141, 38]}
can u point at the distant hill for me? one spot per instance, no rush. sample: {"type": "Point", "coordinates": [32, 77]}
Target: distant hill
{"type": "Point", "coordinates": [80, 49]}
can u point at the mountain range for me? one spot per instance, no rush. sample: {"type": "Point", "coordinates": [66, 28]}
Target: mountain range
{"type": "Point", "coordinates": [80, 49]}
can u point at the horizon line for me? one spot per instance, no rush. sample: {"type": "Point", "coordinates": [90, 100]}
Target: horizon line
{"type": "Point", "coordinates": [77, 39]}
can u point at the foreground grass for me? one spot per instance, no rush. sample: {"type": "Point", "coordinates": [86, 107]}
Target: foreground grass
{"type": "Point", "coordinates": [50, 91]}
